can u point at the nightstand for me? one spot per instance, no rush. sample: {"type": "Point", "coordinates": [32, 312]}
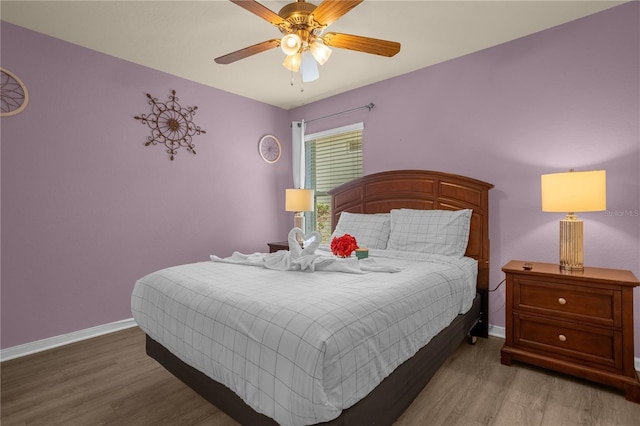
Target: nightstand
{"type": "Point", "coordinates": [279, 245]}
{"type": "Point", "coordinates": [578, 323]}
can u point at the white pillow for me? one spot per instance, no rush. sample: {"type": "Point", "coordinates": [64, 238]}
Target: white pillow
{"type": "Point", "coordinates": [444, 232]}
{"type": "Point", "coordinates": [369, 230]}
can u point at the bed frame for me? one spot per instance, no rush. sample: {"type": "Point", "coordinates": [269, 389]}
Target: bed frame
{"type": "Point", "coordinates": [379, 193]}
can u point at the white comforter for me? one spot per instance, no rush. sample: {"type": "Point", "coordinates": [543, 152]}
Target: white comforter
{"type": "Point", "coordinates": [299, 346]}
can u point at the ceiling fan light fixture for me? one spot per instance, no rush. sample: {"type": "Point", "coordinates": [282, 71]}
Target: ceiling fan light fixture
{"type": "Point", "coordinates": [290, 44]}
{"type": "Point", "coordinates": [292, 62]}
{"type": "Point", "coordinates": [309, 68]}
{"type": "Point", "coordinates": [320, 51]}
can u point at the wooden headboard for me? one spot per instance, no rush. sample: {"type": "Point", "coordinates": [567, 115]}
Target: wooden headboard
{"type": "Point", "coordinates": [424, 190]}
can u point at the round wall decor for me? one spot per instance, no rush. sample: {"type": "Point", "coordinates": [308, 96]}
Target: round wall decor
{"type": "Point", "coordinates": [13, 94]}
{"type": "Point", "coordinates": [269, 148]}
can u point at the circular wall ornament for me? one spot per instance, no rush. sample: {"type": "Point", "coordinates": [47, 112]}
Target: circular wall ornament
{"type": "Point", "coordinates": [171, 125]}
{"type": "Point", "coordinates": [269, 148]}
{"type": "Point", "coordinates": [13, 94]}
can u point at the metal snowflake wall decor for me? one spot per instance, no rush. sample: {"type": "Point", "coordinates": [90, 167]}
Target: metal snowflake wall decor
{"type": "Point", "coordinates": [171, 124]}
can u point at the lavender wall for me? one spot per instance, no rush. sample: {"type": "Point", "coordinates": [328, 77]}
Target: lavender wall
{"type": "Point", "coordinates": [87, 209]}
{"type": "Point", "coordinates": [564, 98]}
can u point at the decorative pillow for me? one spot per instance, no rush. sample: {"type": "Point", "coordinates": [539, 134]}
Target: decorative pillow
{"type": "Point", "coordinates": [444, 232]}
{"type": "Point", "coordinates": [369, 230]}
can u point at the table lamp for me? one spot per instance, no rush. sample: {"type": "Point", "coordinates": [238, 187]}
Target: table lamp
{"type": "Point", "coordinates": [573, 192]}
{"type": "Point", "coordinates": [299, 201]}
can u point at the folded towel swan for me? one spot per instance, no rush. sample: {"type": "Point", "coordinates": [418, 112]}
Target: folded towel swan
{"type": "Point", "coordinates": [304, 258]}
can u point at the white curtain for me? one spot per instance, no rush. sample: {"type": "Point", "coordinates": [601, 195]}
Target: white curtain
{"type": "Point", "coordinates": [297, 152]}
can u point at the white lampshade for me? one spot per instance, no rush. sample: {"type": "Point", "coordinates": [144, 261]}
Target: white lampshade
{"type": "Point", "coordinates": [574, 191]}
{"type": "Point", "coordinates": [292, 62]}
{"type": "Point", "coordinates": [299, 200]}
{"type": "Point", "coordinates": [320, 51]}
{"type": "Point", "coordinates": [290, 44]}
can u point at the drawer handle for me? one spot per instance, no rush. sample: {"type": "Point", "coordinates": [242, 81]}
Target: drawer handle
{"type": "Point", "coordinates": [562, 337]}
{"type": "Point", "coordinates": [562, 301]}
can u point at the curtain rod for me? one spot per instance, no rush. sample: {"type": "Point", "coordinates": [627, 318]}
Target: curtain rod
{"type": "Point", "coordinates": [369, 106]}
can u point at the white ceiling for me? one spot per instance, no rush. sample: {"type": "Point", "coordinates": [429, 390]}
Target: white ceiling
{"type": "Point", "coordinates": [183, 37]}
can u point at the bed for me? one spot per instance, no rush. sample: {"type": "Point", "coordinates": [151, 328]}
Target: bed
{"type": "Point", "coordinates": [405, 194]}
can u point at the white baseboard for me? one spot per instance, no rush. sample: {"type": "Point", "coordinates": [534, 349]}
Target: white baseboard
{"type": "Point", "coordinates": [496, 331]}
{"type": "Point", "coordinates": [64, 339]}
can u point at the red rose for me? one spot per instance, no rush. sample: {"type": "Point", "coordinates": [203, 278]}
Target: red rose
{"type": "Point", "coordinates": [343, 246]}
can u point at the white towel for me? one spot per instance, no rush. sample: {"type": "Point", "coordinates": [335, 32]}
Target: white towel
{"type": "Point", "coordinates": [305, 259]}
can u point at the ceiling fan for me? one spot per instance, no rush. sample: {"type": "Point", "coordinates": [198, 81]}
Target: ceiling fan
{"type": "Point", "coordinates": [304, 42]}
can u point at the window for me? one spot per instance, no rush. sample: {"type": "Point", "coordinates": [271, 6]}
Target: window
{"type": "Point", "coordinates": [332, 158]}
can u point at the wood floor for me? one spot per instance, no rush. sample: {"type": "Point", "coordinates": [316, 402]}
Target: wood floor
{"type": "Point", "coordinates": [109, 380]}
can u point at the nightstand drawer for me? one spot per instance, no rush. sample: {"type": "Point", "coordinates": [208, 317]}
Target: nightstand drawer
{"type": "Point", "coordinates": [573, 342]}
{"type": "Point", "coordinates": [572, 302]}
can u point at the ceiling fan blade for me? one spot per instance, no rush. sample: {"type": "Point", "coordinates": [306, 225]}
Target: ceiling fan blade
{"type": "Point", "coordinates": [248, 51]}
{"type": "Point", "coordinates": [330, 11]}
{"type": "Point", "coordinates": [261, 11]}
{"type": "Point", "coordinates": [362, 44]}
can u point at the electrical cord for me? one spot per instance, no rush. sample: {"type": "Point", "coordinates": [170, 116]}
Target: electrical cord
{"type": "Point", "coordinates": [499, 284]}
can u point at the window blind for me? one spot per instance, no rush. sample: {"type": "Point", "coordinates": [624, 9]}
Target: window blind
{"type": "Point", "coordinates": [330, 160]}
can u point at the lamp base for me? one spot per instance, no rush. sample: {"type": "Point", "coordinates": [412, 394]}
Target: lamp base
{"type": "Point", "coordinates": [298, 222]}
{"type": "Point", "coordinates": [571, 244]}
